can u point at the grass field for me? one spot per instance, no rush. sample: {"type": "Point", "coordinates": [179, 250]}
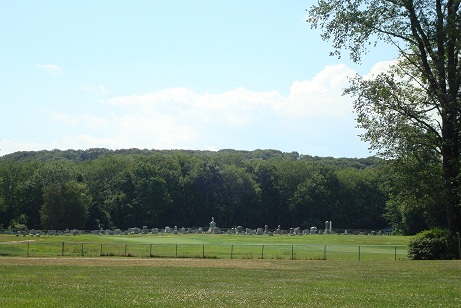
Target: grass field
{"type": "Point", "coordinates": [137, 282]}
{"type": "Point", "coordinates": [261, 273]}
{"type": "Point", "coordinates": [307, 247]}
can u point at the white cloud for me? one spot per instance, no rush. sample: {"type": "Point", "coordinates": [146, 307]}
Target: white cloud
{"type": "Point", "coordinates": [10, 146]}
{"type": "Point", "coordinates": [210, 148]}
{"type": "Point", "coordinates": [86, 142]}
{"type": "Point", "coordinates": [241, 107]}
{"type": "Point", "coordinates": [182, 118]}
{"type": "Point", "coordinates": [380, 67]}
{"type": "Point", "coordinates": [92, 121]}
{"type": "Point", "coordinates": [321, 95]}
{"type": "Point", "coordinates": [53, 69]}
{"type": "Point", "coordinates": [175, 95]}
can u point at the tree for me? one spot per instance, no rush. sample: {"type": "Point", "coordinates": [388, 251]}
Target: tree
{"type": "Point", "coordinates": [241, 197]}
{"type": "Point", "coordinates": [415, 108]}
{"type": "Point", "coordinates": [362, 198]}
{"type": "Point", "coordinates": [65, 206]}
{"type": "Point", "coordinates": [13, 198]}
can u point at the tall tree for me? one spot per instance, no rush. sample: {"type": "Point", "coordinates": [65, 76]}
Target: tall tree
{"type": "Point", "coordinates": [65, 205]}
{"type": "Point", "coordinates": [415, 107]}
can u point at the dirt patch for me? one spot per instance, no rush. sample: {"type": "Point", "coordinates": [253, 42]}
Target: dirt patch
{"type": "Point", "coordinates": [17, 242]}
{"type": "Point", "coordinates": [220, 263]}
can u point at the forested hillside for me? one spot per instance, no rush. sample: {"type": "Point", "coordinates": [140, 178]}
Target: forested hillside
{"type": "Point", "coordinates": [127, 188]}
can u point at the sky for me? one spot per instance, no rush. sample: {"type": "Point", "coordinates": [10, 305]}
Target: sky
{"type": "Point", "coordinates": [177, 74]}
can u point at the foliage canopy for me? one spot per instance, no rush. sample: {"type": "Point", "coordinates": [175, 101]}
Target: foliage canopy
{"type": "Point", "coordinates": [414, 109]}
{"type": "Point", "coordinates": [135, 188]}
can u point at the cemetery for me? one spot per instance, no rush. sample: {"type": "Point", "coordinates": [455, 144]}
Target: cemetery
{"type": "Point", "coordinates": [210, 242]}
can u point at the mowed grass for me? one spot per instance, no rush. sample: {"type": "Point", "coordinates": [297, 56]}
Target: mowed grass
{"type": "Point", "coordinates": [307, 247]}
{"type": "Point", "coordinates": [137, 282]}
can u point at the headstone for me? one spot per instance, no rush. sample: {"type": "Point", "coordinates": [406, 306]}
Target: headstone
{"type": "Point", "coordinates": [239, 230]}
{"type": "Point", "coordinates": [259, 231]}
{"type": "Point", "coordinates": [154, 231]}
{"type": "Point", "coordinates": [136, 230]}
{"type": "Point", "coordinates": [266, 229]}
{"type": "Point", "coordinates": [212, 225]}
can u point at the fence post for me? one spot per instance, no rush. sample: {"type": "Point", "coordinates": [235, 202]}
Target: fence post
{"type": "Point", "coordinates": [62, 249]}
{"type": "Point", "coordinates": [28, 249]}
{"type": "Point", "coordinates": [395, 253]}
{"type": "Point", "coordinates": [325, 252]}
{"type": "Point", "coordinates": [203, 251]}
{"type": "Point", "coordinates": [150, 251]}
{"type": "Point", "coordinates": [100, 252]}
{"type": "Point", "coordinates": [232, 250]}
{"type": "Point", "coordinates": [262, 252]}
{"type": "Point", "coordinates": [359, 252]}
{"type": "Point", "coordinates": [176, 250]}
{"type": "Point", "coordinates": [82, 248]}
{"type": "Point", "coordinates": [125, 248]}
{"type": "Point", "coordinates": [292, 252]}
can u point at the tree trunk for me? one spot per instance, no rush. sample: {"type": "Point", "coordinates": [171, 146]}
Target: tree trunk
{"type": "Point", "coordinates": [451, 175]}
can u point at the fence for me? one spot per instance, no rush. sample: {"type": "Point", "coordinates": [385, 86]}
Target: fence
{"type": "Point", "coordinates": [274, 251]}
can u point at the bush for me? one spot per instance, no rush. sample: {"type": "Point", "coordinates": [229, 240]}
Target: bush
{"type": "Point", "coordinates": [433, 244]}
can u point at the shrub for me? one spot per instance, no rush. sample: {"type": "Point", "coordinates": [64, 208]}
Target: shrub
{"type": "Point", "coordinates": [433, 244]}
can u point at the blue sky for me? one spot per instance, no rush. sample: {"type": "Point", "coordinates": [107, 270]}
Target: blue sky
{"type": "Point", "coordinates": [201, 75]}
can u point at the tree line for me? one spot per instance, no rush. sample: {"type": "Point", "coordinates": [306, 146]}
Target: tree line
{"type": "Point", "coordinates": [100, 188]}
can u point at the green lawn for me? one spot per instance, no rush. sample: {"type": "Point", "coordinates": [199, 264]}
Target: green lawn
{"type": "Point", "coordinates": [307, 247]}
{"type": "Point", "coordinates": [260, 273]}
{"type": "Point", "coordinates": [130, 282]}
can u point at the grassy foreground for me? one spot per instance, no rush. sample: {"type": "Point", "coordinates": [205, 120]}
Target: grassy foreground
{"type": "Point", "coordinates": [128, 282]}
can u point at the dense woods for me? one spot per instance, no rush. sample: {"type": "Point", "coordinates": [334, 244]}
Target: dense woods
{"type": "Point", "coordinates": [100, 188]}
